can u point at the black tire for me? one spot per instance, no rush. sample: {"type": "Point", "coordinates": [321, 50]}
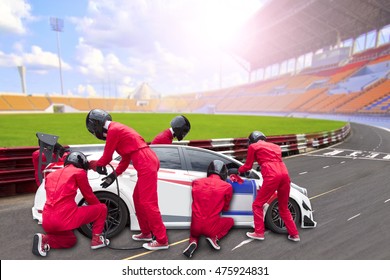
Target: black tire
{"type": "Point", "coordinates": [274, 222]}
{"type": "Point", "coordinates": [117, 216]}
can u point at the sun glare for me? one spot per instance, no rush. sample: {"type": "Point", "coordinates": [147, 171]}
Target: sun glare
{"type": "Point", "coordinates": [221, 19]}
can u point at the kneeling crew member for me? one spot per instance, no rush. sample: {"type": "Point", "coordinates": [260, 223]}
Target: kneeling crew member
{"type": "Point", "coordinates": [61, 215]}
{"type": "Point", "coordinates": [211, 196]}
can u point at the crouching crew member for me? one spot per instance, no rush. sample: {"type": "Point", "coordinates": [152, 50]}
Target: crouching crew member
{"type": "Point", "coordinates": [131, 147]}
{"type": "Point", "coordinates": [61, 215]}
{"type": "Point", "coordinates": [180, 126]}
{"type": "Point", "coordinates": [211, 196]}
{"type": "Point", "coordinates": [275, 178]}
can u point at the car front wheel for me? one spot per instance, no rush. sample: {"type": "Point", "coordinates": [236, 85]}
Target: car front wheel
{"type": "Point", "coordinates": [274, 222]}
{"type": "Point", "coordinates": [117, 215]}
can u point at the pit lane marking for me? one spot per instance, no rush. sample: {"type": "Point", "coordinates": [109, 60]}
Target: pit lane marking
{"type": "Point", "coordinates": [351, 154]}
{"type": "Point", "coordinates": [330, 191]}
{"type": "Point", "coordinates": [243, 243]}
{"type": "Point", "coordinates": [149, 252]}
{"type": "Point", "coordinates": [353, 217]}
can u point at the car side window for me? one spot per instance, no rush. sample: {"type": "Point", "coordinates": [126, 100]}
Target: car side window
{"type": "Point", "coordinates": [200, 160]}
{"type": "Point", "coordinates": [169, 157]}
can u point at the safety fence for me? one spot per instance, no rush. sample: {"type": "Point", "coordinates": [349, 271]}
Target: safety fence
{"type": "Point", "coordinates": [17, 171]}
{"type": "Point", "coordinates": [291, 144]}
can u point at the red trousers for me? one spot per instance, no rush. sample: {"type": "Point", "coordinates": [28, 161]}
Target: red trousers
{"type": "Point", "coordinates": [59, 224]}
{"type": "Point", "coordinates": [272, 183]}
{"type": "Point", "coordinates": [218, 228]}
{"type": "Point", "coordinates": [145, 195]}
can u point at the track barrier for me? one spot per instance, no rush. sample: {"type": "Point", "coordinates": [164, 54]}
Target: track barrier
{"type": "Point", "coordinates": [17, 171]}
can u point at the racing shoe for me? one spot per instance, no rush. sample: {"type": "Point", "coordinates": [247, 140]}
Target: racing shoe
{"type": "Point", "coordinates": [294, 238]}
{"type": "Point", "coordinates": [40, 245]}
{"type": "Point", "coordinates": [155, 245]}
{"type": "Point", "coordinates": [255, 235]}
{"type": "Point", "coordinates": [189, 251]}
{"type": "Point", "coordinates": [98, 241]}
{"type": "Point", "coordinates": [142, 237]}
{"type": "Point", "coordinates": [213, 242]}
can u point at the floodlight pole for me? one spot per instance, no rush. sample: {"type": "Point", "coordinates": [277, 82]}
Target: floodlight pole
{"type": "Point", "coordinates": [57, 25]}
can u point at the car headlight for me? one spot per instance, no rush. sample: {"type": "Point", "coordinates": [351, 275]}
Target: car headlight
{"type": "Point", "coordinates": [300, 189]}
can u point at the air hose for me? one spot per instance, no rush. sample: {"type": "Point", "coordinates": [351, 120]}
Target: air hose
{"type": "Point", "coordinates": [107, 228]}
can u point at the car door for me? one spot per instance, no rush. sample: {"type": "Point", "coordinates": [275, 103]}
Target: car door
{"type": "Point", "coordinates": [174, 187]}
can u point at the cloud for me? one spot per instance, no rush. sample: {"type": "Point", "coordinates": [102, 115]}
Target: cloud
{"type": "Point", "coordinates": [163, 42]}
{"type": "Point", "coordinates": [37, 60]}
{"type": "Point", "coordinates": [12, 14]}
{"type": "Point", "coordinates": [87, 90]}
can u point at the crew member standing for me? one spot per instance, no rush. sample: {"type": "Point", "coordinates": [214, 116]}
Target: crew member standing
{"type": "Point", "coordinates": [180, 126]}
{"type": "Point", "coordinates": [210, 196]}
{"type": "Point", "coordinates": [275, 178]}
{"type": "Point", "coordinates": [131, 147]}
{"type": "Point", "coordinates": [61, 215]}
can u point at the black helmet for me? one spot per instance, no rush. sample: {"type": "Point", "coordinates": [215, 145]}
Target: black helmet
{"type": "Point", "coordinates": [181, 126]}
{"type": "Point", "coordinates": [78, 159]}
{"type": "Point", "coordinates": [255, 136]}
{"type": "Point", "coordinates": [95, 121]}
{"type": "Point", "coordinates": [219, 168]}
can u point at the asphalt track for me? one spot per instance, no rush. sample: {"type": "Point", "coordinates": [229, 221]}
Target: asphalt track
{"type": "Point", "coordinates": [348, 185]}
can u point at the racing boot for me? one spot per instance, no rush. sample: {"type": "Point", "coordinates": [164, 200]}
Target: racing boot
{"type": "Point", "coordinates": [142, 237]}
{"type": "Point", "coordinates": [294, 238]}
{"type": "Point", "coordinates": [213, 242]}
{"type": "Point", "coordinates": [40, 245]}
{"type": "Point", "coordinates": [98, 241]}
{"type": "Point", "coordinates": [255, 235]}
{"type": "Point", "coordinates": [189, 251]}
{"type": "Point", "coordinates": [155, 245]}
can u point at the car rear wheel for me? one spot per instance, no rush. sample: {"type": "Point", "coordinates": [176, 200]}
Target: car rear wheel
{"type": "Point", "coordinates": [274, 222]}
{"type": "Point", "coordinates": [117, 216]}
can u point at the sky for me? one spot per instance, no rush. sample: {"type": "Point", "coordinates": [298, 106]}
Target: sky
{"type": "Point", "coordinates": [108, 48]}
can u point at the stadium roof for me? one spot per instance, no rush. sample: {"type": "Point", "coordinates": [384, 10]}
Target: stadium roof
{"type": "Point", "coordinates": [284, 29]}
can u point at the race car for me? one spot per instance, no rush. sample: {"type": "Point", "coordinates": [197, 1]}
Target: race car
{"type": "Point", "coordinates": [179, 166]}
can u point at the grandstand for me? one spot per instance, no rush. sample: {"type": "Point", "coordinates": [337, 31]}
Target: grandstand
{"type": "Point", "coordinates": [340, 79]}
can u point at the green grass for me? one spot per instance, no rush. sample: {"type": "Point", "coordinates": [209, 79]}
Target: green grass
{"type": "Point", "coordinates": [18, 130]}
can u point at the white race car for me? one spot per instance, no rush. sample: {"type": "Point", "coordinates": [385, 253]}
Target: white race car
{"type": "Point", "coordinates": [179, 166]}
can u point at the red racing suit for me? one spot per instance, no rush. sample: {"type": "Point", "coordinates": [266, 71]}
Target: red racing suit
{"type": "Point", "coordinates": [210, 196]}
{"type": "Point", "coordinates": [132, 147]}
{"type": "Point", "coordinates": [61, 215]}
{"type": "Point", "coordinates": [275, 178]}
{"type": "Point", "coordinates": [165, 137]}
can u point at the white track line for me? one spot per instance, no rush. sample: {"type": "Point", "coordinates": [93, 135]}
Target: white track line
{"type": "Point", "coordinates": [243, 243]}
{"type": "Point", "coordinates": [354, 217]}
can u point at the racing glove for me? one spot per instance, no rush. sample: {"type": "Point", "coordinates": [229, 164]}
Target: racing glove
{"type": "Point", "coordinates": [101, 170]}
{"type": "Point", "coordinates": [107, 181]}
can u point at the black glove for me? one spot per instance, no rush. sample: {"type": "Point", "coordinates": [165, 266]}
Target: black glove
{"type": "Point", "coordinates": [101, 170]}
{"type": "Point", "coordinates": [108, 180]}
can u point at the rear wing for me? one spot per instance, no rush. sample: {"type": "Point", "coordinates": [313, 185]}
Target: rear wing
{"type": "Point", "coordinates": [47, 143]}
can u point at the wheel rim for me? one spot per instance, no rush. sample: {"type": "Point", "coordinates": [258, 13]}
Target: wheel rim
{"type": "Point", "coordinates": [114, 216]}
{"type": "Point", "coordinates": [277, 220]}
